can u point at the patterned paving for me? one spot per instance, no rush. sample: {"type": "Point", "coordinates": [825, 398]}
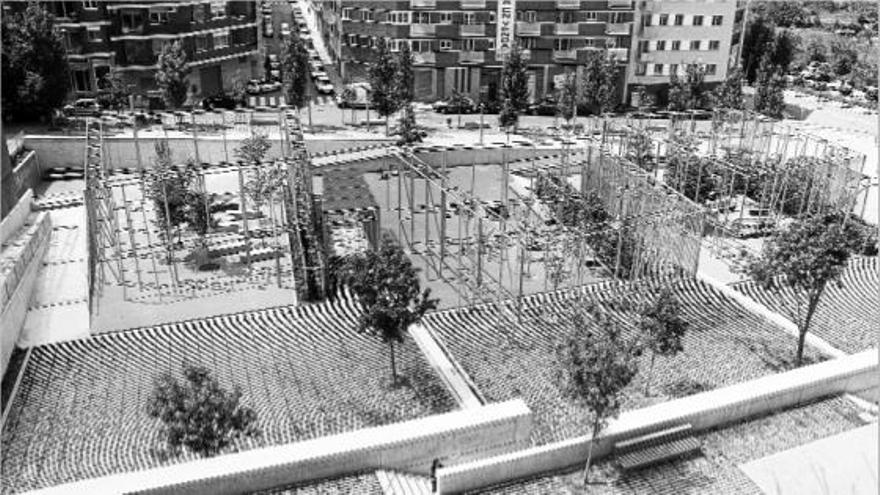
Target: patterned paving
{"type": "Point", "coordinates": [80, 411]}
{"type": "Point", "coordinates": [848, 315]}
{"type": "Point", "coordinates": [357, 484]}
{"type": "Point", "coordinates": [725, 344]}
{"type": "Point", "coordinates": [715, 471]}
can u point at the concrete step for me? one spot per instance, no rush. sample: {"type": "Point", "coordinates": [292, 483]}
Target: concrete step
{"type": "Point", "coordinates": [400, 483]}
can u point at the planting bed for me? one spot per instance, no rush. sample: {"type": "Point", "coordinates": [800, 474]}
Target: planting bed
{"type": "Point", "coordinates": [80, 409]}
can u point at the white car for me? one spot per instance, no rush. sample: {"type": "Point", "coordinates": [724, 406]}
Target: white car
{"type": "Point", "coordinates": [274, 62]}
{"type": "Point", "coordinates": [325, 87]}
{"type": "Point", "coordinates": [285, 29]}
{"type": "Point", "coordinates": [319, 74]}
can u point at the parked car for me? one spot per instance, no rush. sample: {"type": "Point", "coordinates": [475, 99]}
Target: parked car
{"type": "Point", "coordinates": [325, 87]}
{"type": "Point", "coordinates": [318, 74]}
{"type": "Point", "coordinates": [357, 96]}
{"type": "Point", "coordinates": [83, 107]}
{"type": "Point", "coordinates": [316, 65]}
{"type": "Point", "coordinates": [274, 61]}
{"type": "Point", "coordinates": [275, 75]}
{"type": "Point", "coordinates": [313, 54]}
{"type": "Point", "coordinates": [547, 106]}
{"type": "Point", "coordinates": [304, 31]}
{"type": "Point", "coordinates": [455, 105]}
{"type": "Point", "coordinates": [257, 87]}
{"type": "Point", "coordinates": [285, 29]}
{"type": "Point", "coordinates": [220, 100]}
{"type": "Point", "coordinates": [268, 30]}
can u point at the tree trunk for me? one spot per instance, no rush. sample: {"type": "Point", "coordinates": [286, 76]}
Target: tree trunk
{"type": "Point", "coordinates": [393, 365]}
{"type": "Point", "coordinates": [650, 374]}
{"type": "Point", "coordinates": [590, 452]}
{"type": "Point", "coordinates": [387, 130]}
{"type": "Point", "coordinates": [812, 304]}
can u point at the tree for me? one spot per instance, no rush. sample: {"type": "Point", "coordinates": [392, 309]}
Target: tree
{"type": "Point", "coordinates": [805, 257]}
{"type": "Point", "coordinates": [729, 94]}
{"type": "Point", "coordinates": [295, 64]}
{"type": "Point", "coordinates": [387, 287]}
{"type": "Point", "coordinates": [36, 74]}
{"type": "Point", "coordinates": [115, 91]}
{"type": "Point", "coordinates": [769, 97]}
{"type": "Point", "coordinates": [759, 35]}
{"type": "Point", "coordinates": [404, 78]}
{"type": "Point", "coordinates": [783, 49]}
{"type": "Point", "coordinates": [600, 82]}
{"type": "Point", "coordinates": [408, 131]}
{"type": "Point", "coordinates": [688, 92]}
{"type": "Point", "coordinates": [514, 88]}
{"type": "Point", "coordinates": [171, 76]}
{"type": "Point", "coordinates": [566, 97]}
{"type": "Point", "coordinates": [595, 364]}
{"type": "Point", "coordinates": [253, 149]}
{"type": "Point", "coordinates": [199, 414]}
{"type": "Point", "coordinates": [382, 74]}
{"type": "Point", "coordinates": [662, 328]}
{"type": "Point", "coordinates": [264, 179]}
{"type": "Point", "coordinates": [168, 186]}
{"type": "Point", "coordinates": [640, 149]}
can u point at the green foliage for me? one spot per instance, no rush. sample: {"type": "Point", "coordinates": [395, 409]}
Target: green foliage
{"type": "Point", "coordinates": [408, 131]}
{"type": "Point", "coordinates": [758, 37]}
{"type": "Point", "coordinates": [514, 88]}
{"type": "Point", "coordinates": [404, 77]}
{"type": "Point", "coordinates": [387, 286]}
{"type": "Point", "coordinates": [783, 49]}
{"type": "Point", "coordinates": [805, 257]}
{"type": "Point", "coordinates": [640, 149]}
{"type": "Point", "coordinates": [769, 98]}
{"type": "Point", "coordinates": [36, 74]}
{"type": "Point", "coordinates": [253, 149]}
{"type": "Point", "coordinates": [567, 97]}
{"type": "Point", "coordinates": [662, 327]}
{"type": "Point", "coordinates": [171, 77]}
{"type": "Point", "coordinates": [689, 92]}
{"type": "Point", "coordinates": [382, 75]}
{"type": "Point", "coordinates": [600, 82]}
{"type": "Point", "coordinates": [729, 94]}
{"type": "Point", "coordinates": [115, 91]}
{"type": "Point", "coordinates": [198, 414]}
{"type": "Point", "coordinates": [168, 185]}
{"type": "Point", "coordinates": [295, 67]}
{"type": "Point", "coordinates": [784, 13]}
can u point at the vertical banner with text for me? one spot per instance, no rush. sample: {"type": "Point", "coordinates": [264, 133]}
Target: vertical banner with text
{"type": "Point", "coordinates": [506, 26]}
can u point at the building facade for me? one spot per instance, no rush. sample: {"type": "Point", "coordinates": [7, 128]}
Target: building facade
{"type": "Point", "coordinates": [221, 40]}
{"type": "Point", "coordinates": [330, 26]}
{"type": "Point", "coordinates": [672, 34]}
{"type": "Point", "coordinates": [454, 42]}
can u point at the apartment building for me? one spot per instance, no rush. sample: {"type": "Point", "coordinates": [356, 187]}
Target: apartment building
{"type": "Point", "coordinates": [330, 26]}
{"type": "Point", "coordinates": [672, 34]}
{"type": "Point", "coordinates": [221, 40]}
{"type": "Point", "coordinates": [456, 43]}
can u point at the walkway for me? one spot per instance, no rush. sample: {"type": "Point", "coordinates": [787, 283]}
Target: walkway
{"type": "Point", "coordinates": [456, 382]}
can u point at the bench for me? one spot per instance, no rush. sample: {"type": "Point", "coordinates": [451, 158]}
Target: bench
{"type": "Point", "coordinates": [656, 447]}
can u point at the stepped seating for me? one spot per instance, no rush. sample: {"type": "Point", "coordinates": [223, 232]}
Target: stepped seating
{"type": "Point", "coordinates": [654, 448]}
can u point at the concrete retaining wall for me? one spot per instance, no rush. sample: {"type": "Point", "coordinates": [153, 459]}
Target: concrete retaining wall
{"type": "Point", "coordinates": [704, 411]}
{"type": "Point", "coordinates": [19, 177]}
{"type": "Point", "coordinates": [17, 216]}
{"type": "Point", "coordinates": [409, 446]}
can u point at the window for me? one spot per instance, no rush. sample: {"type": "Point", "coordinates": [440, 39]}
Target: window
{"type": "Point", "coordinates": [94, 34]}
{"type": "Point", "coordinates": [445, 45]}
{"type": "Point", "coordinates": [646, 20]}
{"type": "Point", "coordinates": [469, 18]}
{"type": "Point", "coordinates": [658, 69]}
{"type": "Point", "coordinates": [717, 19]}
{"type": "Point", "coordinates": [711, 69]}
{"type": "Point", "coordinates": [491, 46]}
{"type": "Point", "coordinates": [676, 45]}
{"type": "Point", "coordinates": [641, 69]}
{"type": "Point", "coordinates": [664, 20]}
{"type": "Point", "coordinates": [218, 9]}
{"type": "Point", "coordinates": [421, 45]}
{"type": "Point", "coordinates": [394, 45]}
{"type": "Point", "coordinates": [562, 44]}
{"type": "Point", "coordinates": [445, 18]}
{"type": "Point", "coordinates": [565, 17]}
{"type": "Point", "coordinates": [695, 45]}
{"type": "Point", "coordinates": [352, 39]}
{"type": "Point", "coordinates": [132, 20]}
{"type": "Point", "coordinates": [698, 20]}
{"type": "Point", "coordinates": [90, 5]}
{"type": "Point", "coordinates": [679, 19]}
{"type": "Point", "coordinates": [367, 15]}
{"type": "Point", "coordinates": [661, 45]}
{"type": "Point", "coordinates": [714, 45]}
{"type": "Point", "coordinates": [221, 40]}
{"type": "Point", "coordinates": [491, 17]}
{"type": "Point", "coordinates": [421, 18]}
{"type": "Point", "coordinates": [398, 17]}
{"type": "Point", "coordinates": [160, 15]}
{"type": "Point", "coordinates": [346, 14]}
{"type": "Point", "coordinates": [528, 43]}
{"type": "Point", "coordinates": [673, 69]}
{"type": "Point", "coordinates": [592, 16]}
{"type": "Point", "coordinates": [201, 43]}
{"type": "Point", "coordinates": [82, 80]}
{"type": "Point", "coordinates": [469, 45]}
{"type": "Point", "coordinates": [644, 46]}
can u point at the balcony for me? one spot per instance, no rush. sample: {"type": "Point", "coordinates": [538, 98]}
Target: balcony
{"type": "Point", "coordinates": [620, 4]}
{"type": "Point", "coordinates": [473, 30]}
{"type": "Point", "coordinates": [568, 4]}
{"type": "Point", "coordinates": [473, 4]}
{"type": "Point", "coordinates": [421, 30]}
{"type": "Point", "coordinates": [528, 28]}
{"type": "Point", "coordinates": [471, 57]}
{"type": "Point", "coordinates": [618, 29]}
{"type": "Point", "coordinates": [564, 55]}
{"type": "Point", "coordinates": [424, 58]}
{"type": "Point", "coordinates": [619, 54]}
{"type": "Point", "coordinates": [566, 29]}
{"type": "Point", "coordinates": [423, 4]}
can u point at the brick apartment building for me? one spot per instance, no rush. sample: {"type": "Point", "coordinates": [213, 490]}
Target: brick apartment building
{"type": "Point", "coordinates": [454, 42]}
{"type": "Point", "coordinates": [221, 39]}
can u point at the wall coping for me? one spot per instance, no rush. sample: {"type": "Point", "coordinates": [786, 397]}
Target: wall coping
{"type": "Point", "coordinates": [17, 217]}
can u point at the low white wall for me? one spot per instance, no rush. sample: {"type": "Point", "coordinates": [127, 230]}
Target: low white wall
{"type": "Point", "coordinates": [16, 217]}
{"type": "Point", "coordinates": [20, 283]}
{"type": "Point", "coordinates": [704, 411]}
{"type": "Point", "coordinates": [481, 155]}
{"type": "Point", "coordinates": [408, 446]}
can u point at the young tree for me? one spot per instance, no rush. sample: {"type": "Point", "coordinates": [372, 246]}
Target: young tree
{"type": "Point", "coordinates": [596, 363]}
{"type": "Point", "coordinates": [783, 49]}
{"type": "Point", "coordinates": [253, 149]}
{"type": "Point", "coordinates": [387, 287]}
{"type": "Point", "coordinates": [408, 131]}
{"type": "Point", "coordinates": [514, 88]}
{"type": "Point", "coordinates": [729, 94]}
{"type": "Point", "coordinates": [168, 187]}
{"type": "Point", "coordinates": [769, 98]}
{"type": "Point", "coordinates": [662, 328]}
{"type": "Point", "coordinates": [36, 74]}
{"type": "Point", "coordinates": [805, 257]}
{"type": "Point", "coordinates": [199, 414]}
{"type": "Point", "coordinates": [295, 67]}
{"type": "Point", "coordinates": [688, 92]}
{"type": "Point", "coordinates": [758, 37]}
{"type": "Point", "coordinates": [600, 82]}
{"type": "Point", "coordinates": [171, 77]}
{"type": "Point", "coordinates": [382, 74]}
{"type": "Point", "coordinates": [404, 78]}
{"type": "Point", "coordinates": [640, 149]}
{"type": "Point", "coordinates": [116, 91]}
{"type": "Point", "coordinates": [566, 97]}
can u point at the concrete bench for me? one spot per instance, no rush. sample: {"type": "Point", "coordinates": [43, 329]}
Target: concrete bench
{"type": "Point", "coordinates": [654, 448]}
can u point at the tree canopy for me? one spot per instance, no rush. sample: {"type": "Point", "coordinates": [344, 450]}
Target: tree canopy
{"type": "Point", "coordinates": [404, 78]}
{"type": "Point", "coordinates": [688, 92]}
{"type": "Point", "coordinates": [36, 74]}
{"type": "Point", "coordinates": [769, 97]}
{"type": "Point", "coordinates": [171, 77]}
{"type": "Point", "coordinates": [382, 74]}
{"type": "Point", "coordinates": [295, 64]}
{"type": "Point", "coordinates": [514, 87]}
{"type": "Point", "coordinates": [729, 93]}
{"type": "Point", "coordinates": [567, 97]}
{"type": "Point", "coordinates": [600, 82]}
{"type": "Point", "coordinates": [662, 327]}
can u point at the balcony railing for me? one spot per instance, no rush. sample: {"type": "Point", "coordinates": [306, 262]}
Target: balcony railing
{"type": "Point", "coordinates": [471, 57]}
{"type": "Point", "coordinates": [528, 28]}
{"type": "Point", "coordinates": [424, 58]}
{"type": "Point", "coordinates": [473, 4]}
{"type": "Point", "coordinates": [620, 4]}
{"type": "Point", "coordinates": [567, 28]}
{"type": "Point", "coordinates": [620, 54]}
{"type": "Point", "coordinates": [560, 55]}
{"type": "Point", "coordinates": [568, 4]}
{"type": "Point", "coordinates": [418, 30]}
{"type": "Point", "coordinates": [473, 30]}
{"type": "Point", "coordinates": [423, 4]}
{"type": "Point", "coordinates": [622, 28]}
